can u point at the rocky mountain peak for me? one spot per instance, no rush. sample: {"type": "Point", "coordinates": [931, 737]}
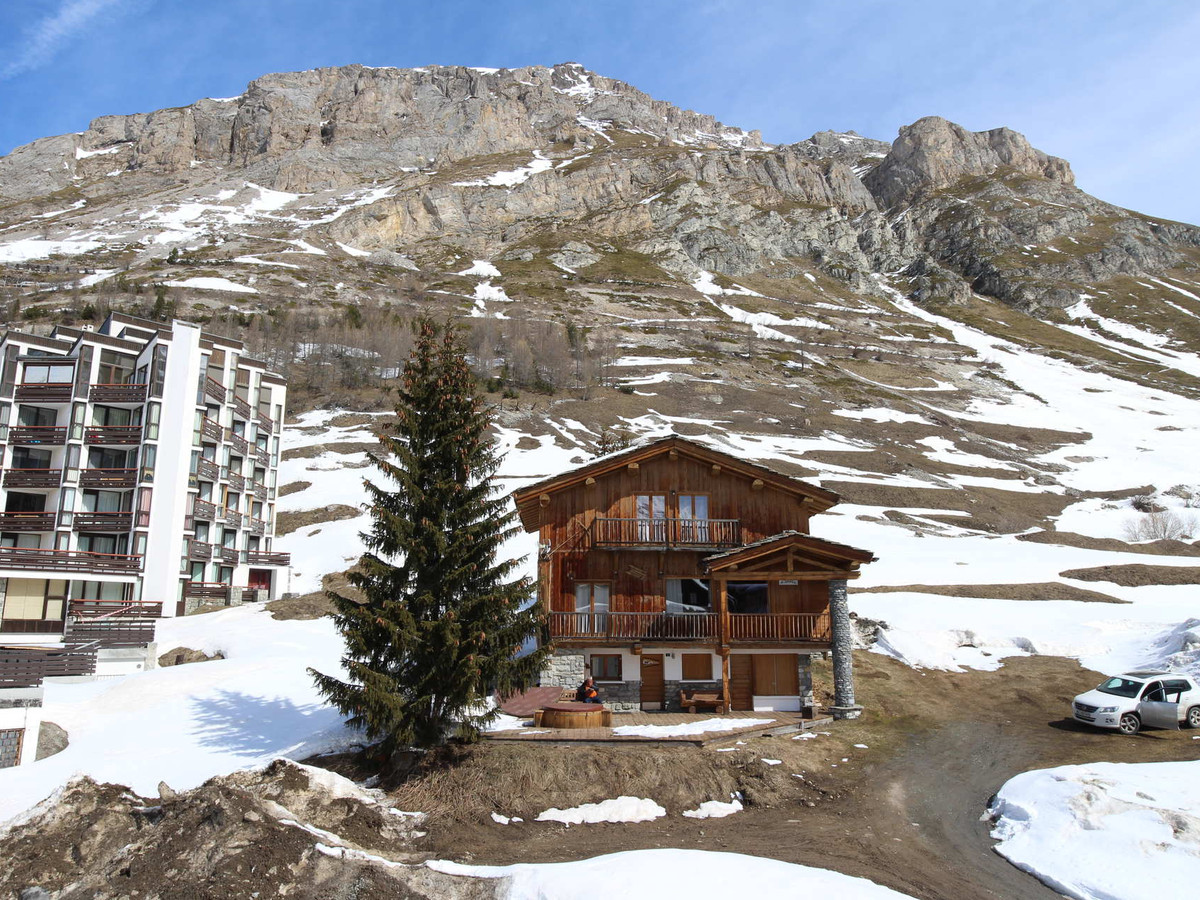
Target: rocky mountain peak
{"type": "Point", "coordinates": [933, 153]}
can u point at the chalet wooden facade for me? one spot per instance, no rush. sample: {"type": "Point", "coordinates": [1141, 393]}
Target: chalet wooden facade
{"type": "Point", "coordinates": [674, 566]}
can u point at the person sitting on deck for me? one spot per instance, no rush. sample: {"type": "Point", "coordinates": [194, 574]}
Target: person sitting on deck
{"type": "Point", "coordinates": [587, 692]}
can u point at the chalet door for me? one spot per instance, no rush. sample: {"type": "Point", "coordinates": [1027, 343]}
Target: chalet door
{"type": "Point", "coordinates": [741, 678]}
{"type": "Point", "coordinates": [651, 511]}
{"type": "Point", "coordinates": [693, 518]}
{"type": "Point", "coordinates": [591, 607]}
{"type": "Point", "coordinates": [652, 681]}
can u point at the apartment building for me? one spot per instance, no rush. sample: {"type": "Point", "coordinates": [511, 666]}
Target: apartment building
{"type": "Point", "coordinates": [138, 470]}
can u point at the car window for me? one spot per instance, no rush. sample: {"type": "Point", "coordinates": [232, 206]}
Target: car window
{"type": "Point", "coordinates": [1176, 686]}
{"type": "Point", "coordinates": [1121, 687]}
{"type": "Point", "coordinates": [1154, 692]}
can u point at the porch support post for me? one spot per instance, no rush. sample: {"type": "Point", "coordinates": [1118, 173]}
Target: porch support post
{"type": "Point", "coordinates": [844, 706]}
{"type": "Point", "coordinates": [725, 679]}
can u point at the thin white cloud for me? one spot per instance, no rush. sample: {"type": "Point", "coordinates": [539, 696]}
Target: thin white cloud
{"type": "Point", "coordinates": [43, 38]}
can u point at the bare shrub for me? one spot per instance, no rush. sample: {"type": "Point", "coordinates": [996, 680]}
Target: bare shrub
{"type": "Point", "coordinates": [1144, 503]}
{"type": "Point", "coordinates": [1163, 525]}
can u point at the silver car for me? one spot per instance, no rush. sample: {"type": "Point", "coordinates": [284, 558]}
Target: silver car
{"type": "Point", "coordinates": [1128, 702]}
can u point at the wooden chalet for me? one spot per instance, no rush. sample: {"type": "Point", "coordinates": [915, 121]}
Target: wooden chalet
{"type": "Point", "coordinates": [673, 567]}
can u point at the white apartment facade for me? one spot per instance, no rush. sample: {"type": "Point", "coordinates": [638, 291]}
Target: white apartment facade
{"type": "Point", "coordinates": [138, 469]}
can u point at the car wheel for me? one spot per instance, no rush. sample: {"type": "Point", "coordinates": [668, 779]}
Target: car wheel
{"type": "Point", "coordinates": [1193, 717]}
{"type": "Point", "coordinates": [1130, 724]}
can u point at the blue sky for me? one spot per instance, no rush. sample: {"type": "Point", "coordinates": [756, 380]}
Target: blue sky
{"type": "Point", "coordinates": [1111, 85]}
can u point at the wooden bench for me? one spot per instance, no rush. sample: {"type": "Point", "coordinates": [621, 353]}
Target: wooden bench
{"type": "Point", "coordinates": [693, 700]}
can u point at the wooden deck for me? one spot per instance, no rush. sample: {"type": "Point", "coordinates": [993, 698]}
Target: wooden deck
{"type": "Point", "coordinates": [783, 722]}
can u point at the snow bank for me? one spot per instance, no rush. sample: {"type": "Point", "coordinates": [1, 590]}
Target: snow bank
{"type": "Point", "coordinates": [654, 874]}
{"type": "Point", "coordinates": [1106, 830]}
{"type": "Point", "coordinates": [689, 728]}
{"type": "Point", "coordinates": [622, 809]}
{"type": "Point", "coordinates": [213, 284]}
{"type": "Point", "coordinates": [714, 809]}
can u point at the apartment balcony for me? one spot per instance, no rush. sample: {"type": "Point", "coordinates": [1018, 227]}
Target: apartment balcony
{"type": "Point", "coordinates": [109, 609]}
{"type": "Point", "coordinates": [207, 469]}
{"type": "Point", "coordinates": [38, 435]}
{"type": "Point", "coordinates": [27, 521]}
{"type": "Point", "coordinates": [262, 456]}
{"type": "Point", "coordinates": [199, 551]}
{"type": "Point", "coordinates": [211, 429]}
{"type": "Point", "coordinates": [115, 623]}
{"type": "Point", "coordinates": [117, 393]}
{"type": "Point", "coordinates": [229, 555]}
{"type": "Point", "coordinates": [109, 479]}
{"type": "Point", "coordinates": [666, 534]}
{"type": "Point", "coordinates": [266, 423]}
{"type": "Point", "coordinates": [776, 628]}
{"type": "Point", "coordinates": [102, 521]}
{"type": "Point", "coordinates": [33, 478]}
{"type": "Point", "coordinates": [233, 518]}
{"type": "Point", "coordinates": [113, 434]}
{"type": "Point", "coordinates": [214, 390]}
{"type": "Point", "coordinates": [239, 444]}
{"type": "Point", "coordinates": [53, 392]}
{"type": "Point", "coordinates": [263, 558]}
{"type": "Point", "coordinates": [202, 509]}
{"type": "Point", "coordinates": [206, 590]}
{"type": "Point", "coordinates": [258, 490]}
{"type": "Point", "coordinates": [69, 560]}
{"type": "Point", "coordinates": [22, 667]}
{"type": "Point", "coordinates": [241, 409]}
{"type": "Point", "coordinates": [236, 482]}
{"type": "Point", "coordinates": [256, 526]}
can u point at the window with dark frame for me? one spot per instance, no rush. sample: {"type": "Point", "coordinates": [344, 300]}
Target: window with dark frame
{"type": "Point", "coordinates": [606, 667]}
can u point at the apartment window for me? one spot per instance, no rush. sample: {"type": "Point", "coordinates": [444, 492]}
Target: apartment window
{"type": "Point", "coordinates": [651, 513]}
{"type": "Point", "coordinates": [697, 666]}
{"type": "Point", "coordinates": [30, 458]}
{"type": "Point", "coordinates": [591, 597]}
{"type": "Point", "coordinates": [48, 374]}
{"type": "Point", "coordinates": [108, 458]}
{"type": "Point", "coordinates": [105, 501]}
{"type": "Point", "coordinates": [153, 411]}
{"type": "Point", "coordinates": [115, 368]}
{"type": "Point", "coordinates": [103, 543]}
{"type": "Point", "coordinates": [30, 503]}
{"type": "Point", "coordinates": [103, 416]}
{"type": "Point", "coordinates": [606, 667]}
{"type": "Point", "coordinates": [688, 595]}
{"type": "Point", "coordinates": [36, 417]}
{"type": "Point", "coordinates": [748, 597]}
{"type": "Point", "coordinates": [693, 516]}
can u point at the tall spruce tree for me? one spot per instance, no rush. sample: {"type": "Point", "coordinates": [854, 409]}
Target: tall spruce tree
{"type": "Point", "coordinates": [442, 620]}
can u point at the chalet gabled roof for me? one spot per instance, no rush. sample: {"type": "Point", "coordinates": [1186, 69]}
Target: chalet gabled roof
{"type": "Point", "coordinates": [528, 503]}
{"type": "Point", "coordinates": [809, 546]}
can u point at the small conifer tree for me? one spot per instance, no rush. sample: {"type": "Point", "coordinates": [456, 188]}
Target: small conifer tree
{"type": "Point", "coordinates": [440, 622]}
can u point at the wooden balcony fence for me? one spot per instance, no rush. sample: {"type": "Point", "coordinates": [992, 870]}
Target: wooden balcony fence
{"type": "Point", "coordinates": [200, 551]}
{"type": "Point", "coordinates": [29, 667]}
{"type": "Point", "coordinates": [113, 434]}
{"type": "Point", "coordinates": [27, 521]}
{"type": "Point", "coordinates": [68, 560]}
{"type": "Point", "coordinates": [207, 469]}
{"type": "Point", "coordinates": [266, 421]}
{"type": "Point", "coordinates": [206, 590]}
{"type": "Point", "coordinates": [211, 429]}
{"type": "Point", "coordinates": [658, 533]}
{"type": "Point", "coordinates": [103, 521]}
{"type": "Point", "coordinates": [236, 482]}
{"type": "Point", "coordinates": [258, 489]}
{"type": "Point", "coordinates": [109, 479]}
{"type": "Point", "coordinates": [657, 626]}
{"type": "Point", "coordinates": [33, 478]}
{"type": "Point", "coordinates": [238, 443]}
{"type": "Point", "coordinates": [116, 631]}
{"type": "Point", "coordinates": [262, 456]}
{"type": "Point", "coordinates": [117, 393]}
{"type": "Point", "coordinates": [241, 409]}
{"type": "Point", "coordinates": [264, 558]}
{"type": "Point", "coordinates": [215, 390]}
{"type": "Point", "coordinates": [202, 509]}
{"type": "Point", "coordinates": [229, 555]}
{"type": "Point", "coordinates": [779, 627]}
{"type": "Point", "coordinates": [115, 608]}
{"type": "Point", "coordinates": [256, 526]}
{"type": "Point", "coordinates": [232, 517]}
{"type": "Point", "coordinates": [38, 435]}
{"type": "Point", "coordinates": [52, 392]}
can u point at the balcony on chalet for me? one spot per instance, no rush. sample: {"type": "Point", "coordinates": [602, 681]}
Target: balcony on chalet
{"type": "Point", "coordinates": [653, 627]}
{"type": "Point", "coordinates": [38, 435]}
{"type": "Point", "coordinates": [117, 393]}
{"type": "Point", "coordinates": [265, 558]}
{"type": "Point", "coordinates": [69, 560]}
{"type": "Point", "coordinates": [33, 478]}
{"type": "Point", "coordinates": [27, 521]}
{"type": "Point", "coordinates": [102, 521]}
{"type": "Point", "coordinates": [45, 392]}
{"type": "Point", "coordinates": [113, 434]}
{"type": "Point", "coordinates": [665, 534]}
{"type": "Point", "coordinates": [109, 479]}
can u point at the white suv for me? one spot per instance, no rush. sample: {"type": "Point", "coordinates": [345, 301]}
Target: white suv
{"type": "Point", "coordinates": [1127, 702]}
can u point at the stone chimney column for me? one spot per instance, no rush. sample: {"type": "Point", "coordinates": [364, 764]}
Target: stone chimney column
{"type": "Point", "coordinates": [844, 706]}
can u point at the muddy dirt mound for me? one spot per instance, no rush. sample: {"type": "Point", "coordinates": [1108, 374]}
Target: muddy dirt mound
{"type": "Point", "coordinates": [1043, 590]}
{"type": "Point", "coordinates": [287, 522]}
{"type": "Point", "coordinates": [1137, 574]}
{"type": "Point", "coordinates": [287, 830]}
{"type": "Point", "coordinates": [1084, 542]}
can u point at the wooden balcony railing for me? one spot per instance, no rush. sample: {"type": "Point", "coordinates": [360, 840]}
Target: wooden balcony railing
{"type": "Point", "coordinates": [229, 555]}
{"type": "Point", "coordinates": [266, 421]}
{"type": "Point", "coordinates": [263, 558]}
{"type": "Point", "coordinates": [112, 479]}
{"type": "Point", "coordinates": [21, 667]}
{"type": "Point", "coordinates": [239, 444]}
{"type": "Point", "coordinates": [199, 551]}
{"type": "Point", "coordinates": [262, 455]}
{"type": "Point", "coordinates": [33, 478]}
{"type": "Point", "coordinates": [117, 393]}
{"type": "Point", "coordinates": [779, 627]}
{"type": "Point", "coordinates": [68, 560]}
{"type": "Point", "coordinates": [658, 533]}
{"type": "Point", "coordinates": [115, 608]}
{"type": "Point", "coordinates": [207, 469]}
{"type": "Point", "coordinates": [215, 390]}
{"type": "Point", "coordinates": [236, 482]}
{"type": "Point", "coordinates": [232, 517]}
{"type": "Point", "coordinates": [257, 489]}
{"type": "Point", "coordinates": [202, 509]}
{"type": "Point", "coordinates": [211, 429]}
{"type": "Point", "coordinates": [27, 521]}
{"type": "Point", "coordinates": [49, 435]}
{"type": "Point", "coordinates": [103, 521]}
{"type": "Point", "coordinates": [627, 626]}
{"type": "Point", "coordinates": [206, 590]}
{"type": "Point", "coordinates": [116, 631]}
{"type": "Point", "coordinates": [52, 392]}
{"type": "Point", "coordinates": [113, 434]}
{"type": "Point", "coordinates": [256, 526]}
{"type": "Point", "coordinates": [241, 408]}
